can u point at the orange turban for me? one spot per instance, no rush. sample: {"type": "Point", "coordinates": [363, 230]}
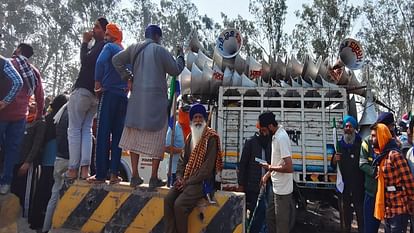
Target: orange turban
{"type": "Point", "coordinates": [115, 32]}
{"type": "Point", "coordinates": [383, 136]}
{"type": "Point", "coordinates": [184, 121]}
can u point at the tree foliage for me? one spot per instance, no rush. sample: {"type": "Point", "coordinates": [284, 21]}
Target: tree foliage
{"type": "Point", "coordinates": [389, 43]}
{"type": "Point", "coordinates": [270, 17]}
{"type": "Point", "coordinates": [324, 24]}
{"type": "Point", "coordinates": [54, 28]}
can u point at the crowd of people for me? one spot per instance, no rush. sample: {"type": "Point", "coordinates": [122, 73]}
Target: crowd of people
{"type": "Point", "coordinates": [125, 90]}
{"type": "Point", "coordinates": [376, 173]}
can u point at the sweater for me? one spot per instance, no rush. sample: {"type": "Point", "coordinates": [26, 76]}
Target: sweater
{"type": "Point", "coordinates": [105, 72]}
{"type": "Point", "coordinates": [17, 109]}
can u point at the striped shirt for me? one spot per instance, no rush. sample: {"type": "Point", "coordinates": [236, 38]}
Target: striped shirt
{"type": "Point", "coordinates": [17, 82]}
{"type": "Point", "coordinates": [398, 177]}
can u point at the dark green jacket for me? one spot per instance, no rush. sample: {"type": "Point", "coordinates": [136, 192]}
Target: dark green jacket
{"type": "Point", "coordinates": [365, 163]}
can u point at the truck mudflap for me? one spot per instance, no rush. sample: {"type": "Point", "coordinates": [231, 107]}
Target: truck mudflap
{"type": "Point", "coordinates": [119, 208]}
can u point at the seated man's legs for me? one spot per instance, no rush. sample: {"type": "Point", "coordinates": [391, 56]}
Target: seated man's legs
{"type": "Point", "coordinates": [169, 220]}
{"type": "Point", "coordinates": [178, 206]}
{"type": "Point", "coordinates": [184, 204]}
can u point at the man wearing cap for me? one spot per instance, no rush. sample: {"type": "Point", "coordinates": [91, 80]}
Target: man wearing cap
{"type": "Point", "coordinates": [195, 170]}
{"type": "Point", "coordinates": [112, 108]}
{"type": "Point", "coordinates": [366, 160]}
{"type": "Point", "coordinates": [82, 103]}
{"type": "Point", "coordinates": [281, 173]}
{"type": "Point", "coordinates": [395, 187]}
{"type": "Point", "coordinates": [347, 160]}
{"type": "Point", "coordinates": [147, 112]}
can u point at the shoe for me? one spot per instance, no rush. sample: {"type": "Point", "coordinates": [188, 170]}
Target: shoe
{"type": "Point", "coordinates": [115, 179]}
{"type": "Point", "coordinates": [155, 182]}
{"type": "Point", "coordinates": [4, 189]}
{"type": "Point", "coordinates": [135, 181]}
{"type": "Point", "coordinates": [94, 180]}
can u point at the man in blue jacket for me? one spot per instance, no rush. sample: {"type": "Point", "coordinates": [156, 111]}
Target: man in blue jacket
{"type": "Point", "coordinates": [112, 108]}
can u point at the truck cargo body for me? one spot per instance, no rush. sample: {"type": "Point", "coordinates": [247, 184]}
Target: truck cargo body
{"type": "Point", "coordinates": [305, 113]}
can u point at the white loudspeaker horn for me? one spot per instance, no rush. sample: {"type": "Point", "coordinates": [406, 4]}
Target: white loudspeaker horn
{"type": "Point", "coordinates": [236, 79]}
{"type": "Point", "coordinates": [191, 58]}
{"type": "Point", "coordinates": [310, 69]}
{"type": "Point", "coordinates": [229, 43]}
{"type": "Point", "coordinates": [283, 83]}
{"type": "Point", "coordinates": [196, 80]}
{"type": "Point", "coordinates": [240, 64]}
{"type": "Point", "coordinates": [266, 72]}
{"type": "Point", "coordinates": [255, 69]}
{"type": "Point", "coordinates": [246, 82]}
{"type": "Point", "coordinates": [185, 81]}
{"type": "Point", "coordinates": [323, 83]}
{"type": "Point", "coordinates": [293, 67]}
{"type": "Point", "coordinates": [278, 69]}
{"type": "Point", "coordinates": [227, 77]}
{"type": "Point", "coordinates": [324, 68]}
{"type": "Point", "coordinates": [203, 59]}
{"type": "Point", "coordinates": [193, 44]}
{"type": "Point", "coordinates": [219, 61]}
{"type": "Point", "coordinates": [293, 83]}
{"type": "Point", "coordinates": [304, 83]}
{"type": "Point", "coordinates": [216, 80]}
{"type": "Point", "coordinates": [206, 80]}
{"type": "Point", "coordinates": [351, 54]}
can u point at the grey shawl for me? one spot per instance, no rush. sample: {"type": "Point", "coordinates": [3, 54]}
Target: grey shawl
{"type": "Point", "coordinates": [148, 102]}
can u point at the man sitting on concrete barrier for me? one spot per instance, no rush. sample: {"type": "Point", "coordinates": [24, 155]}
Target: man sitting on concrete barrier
{"type": "Point", "coordinates": [195, 172]}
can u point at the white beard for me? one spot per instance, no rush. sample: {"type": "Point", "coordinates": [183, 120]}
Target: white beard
{"type": "Point", "coordinates": [349, 138]}
{"type": "Point", "coordinates": [196, 133]}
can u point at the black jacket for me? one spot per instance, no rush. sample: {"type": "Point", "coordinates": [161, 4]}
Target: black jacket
{"type": "Point", "coordinates": [88, 57]}
{"type": "Point", "coordinates": [32, 143]}
{"type": "Point", "coordinates": [62, 136]}
{"type": "Point", "coordinates": [352, 175]}
{"type": "Point", "coordinates": [250, 172]}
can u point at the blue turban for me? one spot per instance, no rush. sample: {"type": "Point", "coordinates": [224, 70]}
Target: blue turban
{"type": "Point", "coordinates": [351, 120]}
{"type": "Point", "coordinates": [152, 30]}
{"type": "Point", "coordinates": [198, 108]}
{"type": "Point", "coordinates": [386, 118]}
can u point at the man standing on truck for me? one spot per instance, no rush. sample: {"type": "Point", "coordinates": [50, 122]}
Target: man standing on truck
{"type": "Point", "coordinates": [366, 160]}
{"type": "Point", "coordinates": [347, 159]}
{"type": "Point", "coordinates": [281, 173]}
{"type": "Point", "coordinates": [195, 172]}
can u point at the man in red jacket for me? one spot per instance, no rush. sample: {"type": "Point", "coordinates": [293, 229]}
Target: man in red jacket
{"type": "Point", "coordinates": [13, 116]}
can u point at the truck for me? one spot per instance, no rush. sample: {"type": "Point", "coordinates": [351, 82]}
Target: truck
{"type": "Point", "coordinates": [307, 114]}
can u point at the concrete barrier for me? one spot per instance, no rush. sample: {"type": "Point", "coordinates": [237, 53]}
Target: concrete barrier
{"type": "Point", "coordinates": [119, 208]}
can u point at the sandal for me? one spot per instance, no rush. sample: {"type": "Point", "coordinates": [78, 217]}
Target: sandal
{"type": "Point", "coordinates": [115, 179]}
{"type": "Point", "coordinates": [94, 180]}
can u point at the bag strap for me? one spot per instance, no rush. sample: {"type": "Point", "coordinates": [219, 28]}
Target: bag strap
{"type": "Point", "coordinates": [139, 51]}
